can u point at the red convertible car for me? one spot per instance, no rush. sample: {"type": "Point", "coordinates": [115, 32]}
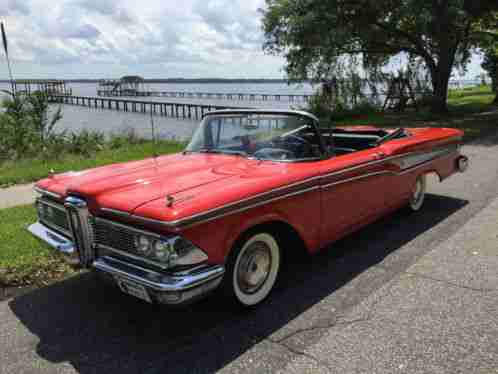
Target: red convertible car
{"type": "Point", "coordinates": [250, 187]}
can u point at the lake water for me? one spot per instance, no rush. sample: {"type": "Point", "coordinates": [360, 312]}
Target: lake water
{"type": "Point", "coordinates": [76, 118]}
{"type": "Point", "coordinates": [108, 121]}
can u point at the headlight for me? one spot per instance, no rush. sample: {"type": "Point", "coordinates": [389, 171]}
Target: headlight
{"type": "Point", "coordinates": [162, 250]}
{"type": "Point", "coordinates": [185, 253]}
{"type": "Point", "coordinates": [174, 251]}
{"type": "Point", "coordinates": [143, 244]}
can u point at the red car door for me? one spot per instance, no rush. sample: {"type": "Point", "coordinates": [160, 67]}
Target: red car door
{"type": "Point", "coordinates": [353, 189]}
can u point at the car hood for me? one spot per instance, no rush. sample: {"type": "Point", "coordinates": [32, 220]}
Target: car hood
{"type": "Point", "coordinates": [127, 186]}
{"type": "Point", "coordinates": [173, 187]}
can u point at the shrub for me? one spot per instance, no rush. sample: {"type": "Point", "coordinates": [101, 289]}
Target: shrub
{"type": "Point", "coordinates": [25, 125]}
{"type": "Point", "coordinates": [29, 131]}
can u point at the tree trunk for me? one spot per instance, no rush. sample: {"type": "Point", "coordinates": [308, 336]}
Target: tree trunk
{"type": "Point", "coordinates": [494, 85]}
{"type": "Point", "coordinates": [441, 71]}
{"type": "Point", "coordinates": [440, 78]}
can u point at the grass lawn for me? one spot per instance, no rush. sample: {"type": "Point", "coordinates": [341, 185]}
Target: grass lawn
{"type": "Point", "coordinates": [469, 109]}
{"type": "Point", "coordinates": [23, 259]}
{"type": "Point", "coordinates": [28, 170]}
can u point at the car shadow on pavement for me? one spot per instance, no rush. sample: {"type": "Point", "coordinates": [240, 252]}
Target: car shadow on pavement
{"type": "Point", "coordinates": [95, 328]}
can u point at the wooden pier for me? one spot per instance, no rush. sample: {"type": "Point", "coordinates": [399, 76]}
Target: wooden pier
{"type": "Point", "coordinates": [49, 87]}
{"type": "Point", "coordinates": [174, 110]}
{"type": "Point", "coordinates": [206, 95]}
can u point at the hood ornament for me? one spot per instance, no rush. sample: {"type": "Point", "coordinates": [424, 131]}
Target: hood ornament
{"type": "Point", "coordinates": [51, 173]}
{"type": "Point", "coordinates": [170, 200]}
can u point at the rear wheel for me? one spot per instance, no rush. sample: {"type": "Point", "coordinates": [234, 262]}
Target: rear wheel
{"type": "Point", "coordinates": [252, 269]}
{"type": "Point", "coordinates": [418, 193]}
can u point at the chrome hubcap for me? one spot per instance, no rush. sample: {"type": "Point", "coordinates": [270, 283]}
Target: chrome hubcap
{"type": "Point", "coordinates": [254, 267]}
{"type": "Point", "coordinates": [417, 193]}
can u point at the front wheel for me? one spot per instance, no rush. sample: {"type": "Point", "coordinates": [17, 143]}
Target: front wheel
{"type": "Point", "coordinates": [252, 269]}
{"type": "Point", "coordinates": [418, 193]}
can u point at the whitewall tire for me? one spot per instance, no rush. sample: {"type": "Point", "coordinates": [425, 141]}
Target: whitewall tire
{"type": "Point", "coordinates": [252, 269]}
{"type": "Point", "coordinates": [418, 193]}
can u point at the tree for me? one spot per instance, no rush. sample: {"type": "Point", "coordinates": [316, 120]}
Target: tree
{"type": "Point", "coordinates": [489, 45]}
{"type": "Point", "coordinates": [314, 35]}
{"type": "Point", "coordinates": [490, 64]}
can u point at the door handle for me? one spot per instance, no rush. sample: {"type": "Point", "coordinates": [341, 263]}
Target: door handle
{"type": "Point", "coordinates": [379, 155]}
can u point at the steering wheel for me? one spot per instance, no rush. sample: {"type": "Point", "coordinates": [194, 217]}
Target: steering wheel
{"type": "Point", "coordinates": [247, 145]}
{"type": "Point", "coordinates": [295, 141]}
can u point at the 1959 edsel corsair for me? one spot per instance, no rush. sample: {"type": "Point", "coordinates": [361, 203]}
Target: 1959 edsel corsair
{"type": "Point", "coordinates": [250, 186]}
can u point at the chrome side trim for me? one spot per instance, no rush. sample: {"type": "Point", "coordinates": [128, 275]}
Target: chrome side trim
{"type": "Point", "coordinates": [184, 223]}
{"type": "Point", "coordinates": [384, 172]}
{"type": "Point", "coordinates": [382, 160]}
{"type": "Point", "coordinates": [155, 281]}
{"type": "Point", "coordinates": [56, 241]}
{"type": "Point", "coordinates": [41, 191]}
{"type": "Point", "coordinates": [356, 178]}
{"type": "Point", "coordinates": [198, 218]}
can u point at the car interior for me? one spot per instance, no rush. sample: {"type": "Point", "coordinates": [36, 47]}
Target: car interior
{"type": "Point", "coordinates": [288, 140]}
{"type": "Point", "coordinates": [342, 141]}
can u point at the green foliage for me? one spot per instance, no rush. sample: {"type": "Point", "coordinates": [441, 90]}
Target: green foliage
{"type": "Point", "coordinates": [28, 130]}
{"type": "Point", "coordinates": [30, 146]}
{"type": "Point", "coordinates": [38, 113]}
{"type": "Point", "coordinates": [320, 106]}
{"type": "Point", "coordinates": [490, 64]}
{"type": "Point", "coordinates": [114, 150]}
{"type": "Point", "coordinates": [26, 127]}
{"type": "Point", "coordinates": [315, 35]}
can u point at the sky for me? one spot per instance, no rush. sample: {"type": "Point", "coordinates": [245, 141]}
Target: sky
{"type": "Point", "coordinates": [152, 38]}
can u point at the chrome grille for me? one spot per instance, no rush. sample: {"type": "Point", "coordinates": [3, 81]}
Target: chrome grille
{"type": "Point", "coordinates": [54, 215]}
{"type": "Point", "coordinates": [115, 239]}
{"type": "Point", "coordinates": [113, 235]}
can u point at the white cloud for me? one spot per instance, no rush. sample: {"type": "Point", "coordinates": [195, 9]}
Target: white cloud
{"type": "Point", "coordinates": [153, 38]}
{"type": "Point", "coordinates": [11, 7]}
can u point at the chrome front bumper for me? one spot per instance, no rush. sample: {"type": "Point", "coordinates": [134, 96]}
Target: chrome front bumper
{"type": "Point", "coordinates": [178, 288]}
{"type": "Point", "coordinates": [62, 244]}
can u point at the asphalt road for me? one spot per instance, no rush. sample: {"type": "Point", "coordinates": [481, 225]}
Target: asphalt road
{"type": "Point", "coordinates": [409, 294]}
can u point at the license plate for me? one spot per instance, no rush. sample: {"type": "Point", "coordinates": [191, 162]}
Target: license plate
{"type": "Point", "coordinates": [133, 289]}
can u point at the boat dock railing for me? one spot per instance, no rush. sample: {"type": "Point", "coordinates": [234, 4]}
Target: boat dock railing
{"type": "Point", "coordinates": [174, 110]}
{"type": "Point", "coordinates": [207, 95]}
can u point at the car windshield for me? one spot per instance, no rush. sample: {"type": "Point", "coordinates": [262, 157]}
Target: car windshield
{"type": "Point", "coordinates": [278, 137]}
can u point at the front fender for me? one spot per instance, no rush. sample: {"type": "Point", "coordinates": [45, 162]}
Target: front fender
{"type": "Point", "coordinates": [217, 237]}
